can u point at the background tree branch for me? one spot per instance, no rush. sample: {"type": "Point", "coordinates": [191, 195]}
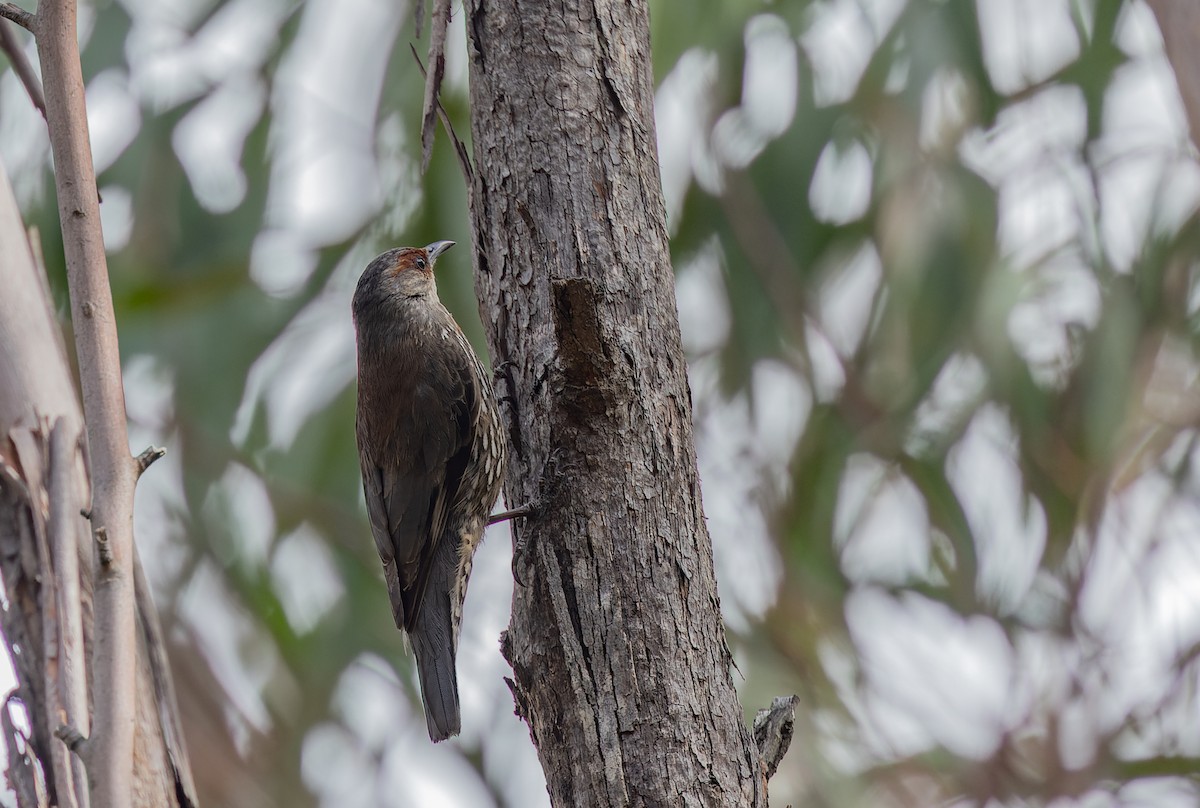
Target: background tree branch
{"type": "Point", "coordinates": [36, 389]}
{"type": "Point", "coordinates": [113, 471]}
{"type": "Point", "coordinates": [39, 407]}
{"type": "Point", "coordinates": [11, 46]}
{"type": "Point", "coordinates": [11, 11]}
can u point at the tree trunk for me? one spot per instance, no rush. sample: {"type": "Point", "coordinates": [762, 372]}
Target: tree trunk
{"type": "Point", "coordinates": [616, 641]}
{"type": "Point", "coordinates": [36, 398]}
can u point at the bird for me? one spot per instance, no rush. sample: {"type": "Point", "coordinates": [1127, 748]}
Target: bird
{"type": "Point", "coordinates": [432, 453]}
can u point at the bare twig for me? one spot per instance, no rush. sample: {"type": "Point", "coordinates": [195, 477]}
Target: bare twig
{"type": "Point", "coordinates": [114, 473]}
{"type": "Point", "coordinates": [433, 79]}
{"type": "Point", "coordinates": [64, 555]}
{"type": "Point", "coordinates": [773, 732]}
{"type": "Point", "coordinates": [460, 148]}
{"type": "Point", "coordinates": [20, 16]}
{"type": "Point", "coordinates": [147, 458]}
{"type": "Point", "coordinates": [22, 66]}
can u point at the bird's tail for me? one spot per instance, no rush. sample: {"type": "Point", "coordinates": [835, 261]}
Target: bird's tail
{"type": "Point", "coordinates": [432, 638]}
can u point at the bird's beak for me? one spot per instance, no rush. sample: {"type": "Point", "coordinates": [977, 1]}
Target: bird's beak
{"type": "Point", "coordinates": [437, 248]}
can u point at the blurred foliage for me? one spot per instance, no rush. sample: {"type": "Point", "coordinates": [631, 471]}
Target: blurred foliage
{"type": "Point", "coordinates": [938, 262]}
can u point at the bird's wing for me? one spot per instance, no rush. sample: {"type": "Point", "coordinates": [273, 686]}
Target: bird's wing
{"type": "Point", "coordinates": [409, 507]}
{"type": "Point", "coordinates": [377, 515]}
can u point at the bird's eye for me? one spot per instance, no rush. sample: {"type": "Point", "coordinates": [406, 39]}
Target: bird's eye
{"type": "Point", "coordinates": [420, 263]}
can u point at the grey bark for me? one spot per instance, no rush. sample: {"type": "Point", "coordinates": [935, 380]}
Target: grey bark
{"type": "Point", "coordinates": [616, 642]}
{"type": "Point", "coordinates": [35, 393]}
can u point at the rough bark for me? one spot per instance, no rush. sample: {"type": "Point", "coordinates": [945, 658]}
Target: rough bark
{"type": "Point", "coordinates": [616, 642]}
{"type": "Point", "coordinates": [35, 393]}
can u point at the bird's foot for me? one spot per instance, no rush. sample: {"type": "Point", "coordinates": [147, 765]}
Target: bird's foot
{"type": "Point", "coordinates": [503, 369]}
{"type": "Point", "coordinates": [522, 564]}
{"type": "Point", "coordinates": [527, 509]}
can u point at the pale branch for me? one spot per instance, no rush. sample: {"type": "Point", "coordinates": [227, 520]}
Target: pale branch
{"type": "Point", "coordinates": [33, 453]}
{"type": "Point", "coordinates": [460, 148]}
{"type": "Point", "coordinates": [33, 235]}
{"type": "Point", "coordinates": [64, 555]}
{"type": "Point", "coordinates": [22, 67]}
{"type": "Point", "coordinates": [20, 16]}
{"type": "Point", "coordinates": [433, 79]}
{"type": "Point", "coordinates": [34, 372]}
{"type": "Point", "coordinates": [113, 470]}
{"type": "Point", "coordinates": [34, 386]}
{"type": "Point", "coordinates": [147, 458]}
{"type": "Point", "coordinates": [773, 727]}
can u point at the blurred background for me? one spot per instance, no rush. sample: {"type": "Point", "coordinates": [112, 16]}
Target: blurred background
{"type": "Point", "coordinates": [937, 278]}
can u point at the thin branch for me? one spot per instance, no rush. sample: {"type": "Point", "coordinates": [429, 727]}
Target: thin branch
{"type": "Point", "coordinates": [114, 473]}
{"type": "Point", "coordinates": [433, 79]}
{"type": "Point", "coordinates": [147, 458]}
{"type": "Point", "coordinates": [460, 148]}
{"type": "Point", "coordinates": [773, 732]}
{"type": "Point", "coordinates": [64, 555]}
{"type": "Point", "coordinates": [61, 769]}
{"type": "Point", "coordinates": [22, 66]}
{"type": "Point", "coordinates": [20, 16]}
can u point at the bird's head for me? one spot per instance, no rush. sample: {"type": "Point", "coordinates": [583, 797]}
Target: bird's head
{"type": "Point", "coordinates": [405, 272]}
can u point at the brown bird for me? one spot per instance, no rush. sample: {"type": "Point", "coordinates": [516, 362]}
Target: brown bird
{"type": "Point", "coordinates": [432, 456]}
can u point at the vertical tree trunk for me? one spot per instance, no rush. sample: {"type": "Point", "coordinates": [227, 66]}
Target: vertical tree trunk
{"type": "Point", "coordinates": [616, 641]}
{"type": "Point", "coordinates": [35, 393]}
